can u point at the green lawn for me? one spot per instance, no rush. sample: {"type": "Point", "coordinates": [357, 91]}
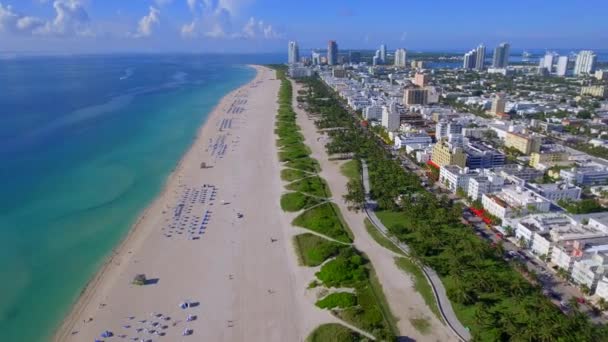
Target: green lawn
{"type": "Point", "coordinates": [324, 220]}
{"type": "Point", "coordinates": [333, 332]}
{"type": "Point", "coordinates": [290, 175]}
{"type": "Point", "coordinates": [304, 164]}
{"type": "Point", "coordinates": [421, 285]}
{"type": "Point", "coordinates": [393, 219]}
{"type": "Point", "coordinates": [337, 300]}
{"type": "Point", "coordinates": [296, 201]}
{"type": "Point", "coordinates": [381, 239]}
{"type": "Point", "coordinates": [315, 186]}
{"type": "Point", "coordinates": [351, 169]}
{"type": "Point", "coordinates": [313, 250]}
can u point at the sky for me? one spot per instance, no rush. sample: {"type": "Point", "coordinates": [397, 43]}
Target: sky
{"type": "Point", "coordinates": [245, 26]}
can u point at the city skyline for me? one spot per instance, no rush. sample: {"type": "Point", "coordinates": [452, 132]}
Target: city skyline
{"type": "Point", "coordinates": [262, 26]}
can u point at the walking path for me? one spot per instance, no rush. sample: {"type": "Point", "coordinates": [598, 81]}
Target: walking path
{"type": "Point", "coordinates": [405, 303]}
{"type": "Point", "coordinates": [445, 307]}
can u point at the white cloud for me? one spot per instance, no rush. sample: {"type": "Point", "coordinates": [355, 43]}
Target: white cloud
{"type": "Point", "coordinates": [71, 18]}
{"type": "Point", "coordinates": [147, 23]}
{"type": "Point", "coordinates": [214, 19]}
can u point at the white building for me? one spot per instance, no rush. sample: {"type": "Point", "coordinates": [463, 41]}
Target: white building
{"type": "Point", "coordinates": [401, 58]}
{"type": "Point", "coordinates": [557, 191]}
{"type": "Point", "coordinates": [391, 117]}
{"type": "Point", "coordinates": [293, 52]}
{"type": "Point", "coordinates": [562, 66]}
{"type": "Point", "coordinates": [585, 63]}
{"type": "Point", "coordinates": [422, 140]}
{"type": "Point", "coordinates": [591, 174]}
{"type": "Point", "coordinates": [602, 288]}
{"type": "Point", "coordinates": [455, 177]}
{"type": "Point", "coordinates": [513, 202]}
{"type": "Point", "coordinates": [590, 270]}
{"type": "Point", "coordinates": [484, 185]}
{"type": "Point", "coordinates": [373, 112]}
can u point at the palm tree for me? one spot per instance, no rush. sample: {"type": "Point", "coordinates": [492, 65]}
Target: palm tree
{"type": "Point", "coordinates": [602, 304]}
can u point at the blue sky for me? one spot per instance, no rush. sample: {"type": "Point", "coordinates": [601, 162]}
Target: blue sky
{"type": "Point", "coordinates": [75, 26]}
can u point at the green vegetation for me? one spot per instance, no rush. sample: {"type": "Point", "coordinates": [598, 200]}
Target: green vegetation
{"type": "Point", "coordinates": [584, 206]}
{"type": "Point", "coordinates": [489, 296]}
{"type": "Point", "coordinates": [421, 285]}
{"type": "Point", "coordinates": [338, 300]}
{"type": "Point", "coordinates": [366, 307]}
{"type": "Point", "coordinates": [296, 201]}
{"type": "Point", "coordinates": [421, 324]}
{"type": "Point", "coordinates": [313, 250]}
{"type": "Point", "coordinates": [315, 186]}
{"type": "Point", "coordinates": [333, 332]}
{"type": "Point", "coordinates": [351, 169]}
{"type": "Point", "coordinates": [323, 219]}
{"type": "Point", "coordinates": [381, 239]}
{"type": "Point", "coordinates": [290, 175]}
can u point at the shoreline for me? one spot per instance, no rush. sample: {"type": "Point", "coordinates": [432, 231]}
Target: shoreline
{"type": "Point", "coordinates": [134, 234]}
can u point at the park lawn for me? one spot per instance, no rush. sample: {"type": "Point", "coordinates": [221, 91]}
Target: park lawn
{"type": "Point", "coordinates": [315, 186]}
{"type": "Point", "coordinates": [334, 332]}
{"type": "Point", "coordinates": [380, 238]}
{"type": "Point", "coordinates": [337, 300]}
{"type": "Point", "coordinates": [351, 169]}
{"type": "Point", "coordinates": [324, 220]}
{"type": "Point", "coordinates": [296, 201]}
{"type": "Point", "coordinates": [313, 250]}
{"type": "Point", "coordinates": [290, 175]}
{"type": "Point", "coordinates": [421, 285]}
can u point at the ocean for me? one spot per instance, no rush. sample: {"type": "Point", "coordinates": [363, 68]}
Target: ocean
{"type": "Point", "coordinates": [86, 143]}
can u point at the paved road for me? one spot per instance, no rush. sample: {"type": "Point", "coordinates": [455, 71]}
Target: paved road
{"type": "Point", "coordinates": [445, 307]}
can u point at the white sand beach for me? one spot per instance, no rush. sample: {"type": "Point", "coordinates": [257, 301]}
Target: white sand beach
{"type": "Point", "coordinates": [239, 273]}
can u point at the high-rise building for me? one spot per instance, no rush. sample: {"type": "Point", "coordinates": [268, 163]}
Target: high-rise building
{"type": "Point", "coordinates": [391, 118]}
{"type": "Point", "coordinates": [332, 52]}
{"type": "Point", "coordinates": [415, 96]}
{"type": "Point", "coordinates": [498, 104]}
{"type": "Point", "coordinates": [383, 53]}
{"type": "Point", "coordinates": [480, 59]}
{"type": "Point", "coordinates": [293, 52]}
{"type": "Point", "coordinates": [354, 57]}
{"type": "Point", "coordinates": [562, 66]}
{"type": "Point", "coordinates": [421, 79]}
{"type": "Point", "coordinates": [400, 58]}
{"type": "Point", "coordinates": [501, 56]}
{"type": "Point", "coordinates": [548, 60]}
{"type": "Point", "coordinates": [585, 63]}
{"type": "Point", "coordinates": [469, 59]}
{"type": "Point", "coordinates": [316, 58]}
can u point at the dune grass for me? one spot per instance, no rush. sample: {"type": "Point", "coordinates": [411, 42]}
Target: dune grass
{"type": "Point", "coordinates": [296, 201]}
{"type": "Point", "coordinates": [351, 169]}
{"type": "Point", "coordinates": [334, 332]}
{"type": "Point", "coordinates": [324, 220]}
{"type": "Point", "coordinates": [315, 186]}
{"type": "Point", "coordinates": [313, 250]}
{"type": "Point", "coordinates": [305, 164]}
{"type": "Point", "coordinates": [337, 300]}
{"type": "Point", "coordinates": [290, 175]}
{"type": "Point", "coordinates": [421, 324]}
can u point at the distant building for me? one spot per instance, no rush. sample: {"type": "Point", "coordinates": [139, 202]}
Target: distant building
{"type": "Point", "coordinates": [548, 60]}
{"type": "Point", "coordinates": [487, 184]}
{"type": "Point", "coordinates": [513, 202]}
{"type": "Point", "coordinates": [556, 191]}
{"type": "Point", "coordinates": [547, 158]}
{"type": "Point", "coordinates": [469, 60]}
{"type": "Point", "coordinates": [418, 65]}
{"type": "Point", "coordinates": [446, 154]}
{"type": "Point", "coordinates": [562, 66]}
{"type": "Point", "coordinates": [483, 157]}
{"type": "Point", "coordinates": [585, 63]}
{"type": "Point", "coordinates": [338, 72]}
{"type": "Point", "coordinates": [601, 75]}
{"type": "Point", "coordinates": [585, 175]}
{"type": "Point", "coordinates": [501, 56]}
{"type": "Point", "coordinates": [597, 91]}
{"type": "Point", "coordinates": [401, 58]}
{"type": "Point", "coordinates": [498, 104]}
{"type": "Point", "coordinates": [373, 112]}
{"type": "Point", "coordinates": [316, 58]}
{"type": "Point", "coordinates": [526, 144]}
{"type": "Point", "coordinates": [419, 139]}
{"type": "Point", "coordinates": [391, 117]}
{"type": "Point", "coordinates": [443, 129]}
{"type": "Point", "coordinates": [293, 52]}
{"type": "Point", "coordinates": [421, 79]}
{"type": "Point", "coordinates": [298, 70]}
{"type": "Point", "coordinates": [332, 53]}
{"type": "Point", "coordinates": [413, 96]}
{"type": "Point", "coordinates": [383, 53]}
{"type": "Point", "coordinates": [480, 58]}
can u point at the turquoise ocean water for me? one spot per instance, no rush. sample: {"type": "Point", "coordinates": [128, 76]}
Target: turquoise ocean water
{"type": "Point", "coordinates": [86, 143]}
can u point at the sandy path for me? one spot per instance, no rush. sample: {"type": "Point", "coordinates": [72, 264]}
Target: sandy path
{"type": "Point", "coordinates": [246, 287]}
{"type": "Point", "coordinates": [404, 301]}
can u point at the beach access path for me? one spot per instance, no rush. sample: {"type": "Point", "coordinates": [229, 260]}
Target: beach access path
{"type": "Point", "coordinates": [405, 303]}
{"type": "Point", "coordinates": [239, 274]}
